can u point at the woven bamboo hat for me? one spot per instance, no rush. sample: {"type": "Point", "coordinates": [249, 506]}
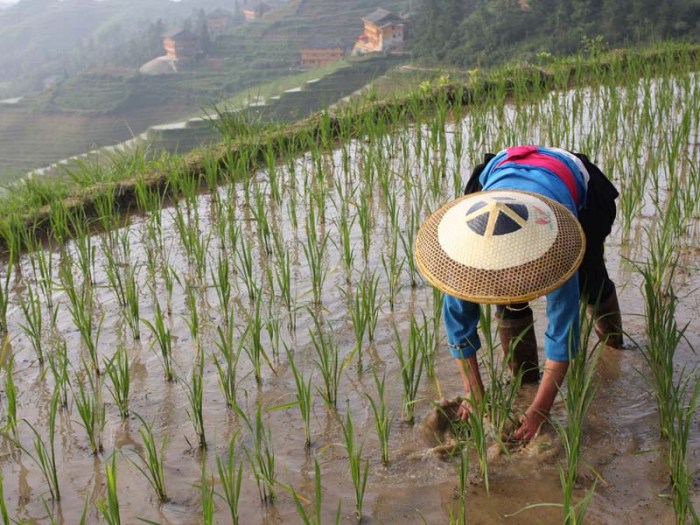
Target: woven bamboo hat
{"type": "Point", "coordinates": [499, 246]}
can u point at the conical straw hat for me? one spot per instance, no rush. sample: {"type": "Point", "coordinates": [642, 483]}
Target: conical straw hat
{"type": "Point", "coordinates": [499, 247]}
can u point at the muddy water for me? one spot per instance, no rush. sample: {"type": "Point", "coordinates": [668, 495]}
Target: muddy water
{"type": "Point", "coordinates": [622, 449]}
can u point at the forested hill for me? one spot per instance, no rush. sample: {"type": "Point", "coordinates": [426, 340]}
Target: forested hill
{"type": "Point", "coordinates": [483, 32]}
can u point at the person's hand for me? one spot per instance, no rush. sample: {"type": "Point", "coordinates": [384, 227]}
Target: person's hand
{"type": "Point", "coordinates": [465, 410]}
{"type": "Point", "coordinates": [530, 424]}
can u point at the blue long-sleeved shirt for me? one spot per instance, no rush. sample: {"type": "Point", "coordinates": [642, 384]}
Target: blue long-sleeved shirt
{"type": "Point", "coordinates": [553, 173]}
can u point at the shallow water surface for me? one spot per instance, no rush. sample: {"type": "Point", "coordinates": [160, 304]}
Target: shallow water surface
{"type": "Point", "coordinates": [623, 453]}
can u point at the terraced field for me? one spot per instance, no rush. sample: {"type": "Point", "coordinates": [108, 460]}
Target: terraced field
{"type": "Point", "coordinates": [95, 110]}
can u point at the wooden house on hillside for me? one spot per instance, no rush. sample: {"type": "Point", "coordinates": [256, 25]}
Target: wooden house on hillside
{"type": "Point", "coordinates": [317, 52]}
{"type": "Point", "coordinates": [219, 21]}
{"type": "Point", "coordinates": [181, 44]}
{"type": "Point", "coordinates": [383, 31]}
{"type": "Point", "coordinates": [252, 12]}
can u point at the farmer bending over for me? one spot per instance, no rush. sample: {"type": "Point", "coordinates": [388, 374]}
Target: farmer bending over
{"type": "Point", "coordinates": [533, 222]}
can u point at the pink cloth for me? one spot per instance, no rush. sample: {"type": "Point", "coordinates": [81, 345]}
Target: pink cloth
{"type": "Point", "coordinates": [530, 156]}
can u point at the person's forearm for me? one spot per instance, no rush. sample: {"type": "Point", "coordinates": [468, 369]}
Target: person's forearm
{"type": "Point", "coordinates": [553, 377]}
{"type": "Point", "coordinates": [471, 378]}
{"type": "Point", "coordinates": [538, 411]}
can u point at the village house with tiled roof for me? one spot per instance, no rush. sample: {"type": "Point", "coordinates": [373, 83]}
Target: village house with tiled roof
{"type": "Point", "coordinates": [383, 31]}
{"type": "Point", "coordinates": [181, 44]}
{"type": "Point", "coordinates": [252, 12]}
{"type": "Point", "coordinates": [318, 52]}
{"type": "Point", "coordinates": [218, 21]}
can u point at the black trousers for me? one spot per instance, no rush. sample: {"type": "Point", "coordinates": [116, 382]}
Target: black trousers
{"type": "Point", "coordinates": [596, 219]}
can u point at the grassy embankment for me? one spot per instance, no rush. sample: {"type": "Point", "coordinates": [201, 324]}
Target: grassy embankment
{"type": "Point", "coordinates": [30, 207]}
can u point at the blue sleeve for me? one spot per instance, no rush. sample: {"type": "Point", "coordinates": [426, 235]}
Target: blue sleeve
{"type": "Point", "coordinates": [562, 321]}
{"type": "Point", "coordinates": [461, 320]}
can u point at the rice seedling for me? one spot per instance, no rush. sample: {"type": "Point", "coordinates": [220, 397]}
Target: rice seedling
{"type": "Point", "coordinates": [392, 269]}
{"type": "Point", "coordinates": [411, 366]}
{"type": "Point", "coordinates": [368, 290]}
{"type": "Point", "coordinates": [85, 251]}
{"type": "Point", "coordinates": [194, 390]}
{"type": "Point", "coordinates": [382, 418]}
{"type": "Point", "coordinates": [479, 436]}
{"type": "Point", "coordinates": [426, 339]}
{"type": "Point", "coordinates": [193, 320]}
{"type": "Point", "coordinates": [664, 336]}
{"type": "Point", "coordinates": [244, 267]}
{"type": "Point", "coordinates": [151, 460]}
{"type": "Point", "coordinates": [163, 339]}
{"type": "Point", "coordinates": [91, 410]}
{"type": "Point", "coordinates": [80, 307]}
{"type": "Point", "coordinates": [364, 217]}
{"type": "Point", "coordinates": [315, 518]}
{"type": "Point", "coordinates": [283, 277]}
{"type": "Point", "coordinates": [58, 364]}
{"type": "Point", "coordinates": [272, 325]}
{"type": "Point", "coordinates": [502, 387]}
{"type": "Point", "coordinates": [109, 506]}
{"type": "Point", "coordinates": [254, 347]}
{"type": "Point", "coordinates": [33, 326]}
{"type": "Point", "coordinates": [684, 402]}
{"type": "Point", "coordinates": [359, 471]}
{"type": "Point", "coordinates": [460, 518]}
{"type": "Point", "coordinates": [315, 253]}
{"type": "Point", "coordinates": [408, 237]}
{"type": "Point", "coordinates": [44, 278]}
{"type": "Point", "coordinates": [222, 284]}
{"type": "Point", "coordinates": [11, 393]}
{"type": "Point", "coordinates": [581, 386]}
{"type": "Point", "coordinates": [344, 244]}
{"type": "Point", "coordinates": [131, 291]}
{"type": "Point", "coordinates": [5, 294]}
{"type": "Point", "coordinates": [262, 457]}
{"type": "Point", "coordinates": [3, 504]}
{"type": "Point", "coordinates": [359, 317]}
{"type": "Point", "coordinates": [206, 490]}
{"type": "Point", "coordinates": [45, 455]}
{"type": "Point", "coordinates": [231, 352]}
{"type": "Point", "coordinates": [231, 478]}
{"type": "Point", "coordinates": [304, 398]}
{"type": "Point", "coordinates": [260, 212]}
{"type": "Point", "coordinates": [115, 276]}
{"type": "Point", "coordinates": [170, 277]}
{"type": "Point", "coordinates": [117, 369]}
{"type": "Point", "coordinates": [328, 362]}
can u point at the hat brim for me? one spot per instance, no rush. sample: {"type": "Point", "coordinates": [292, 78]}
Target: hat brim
{"type": "Point", "coordinates": [545, 252]}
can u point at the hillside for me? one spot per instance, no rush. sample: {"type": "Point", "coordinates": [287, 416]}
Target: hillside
{"type": "Point", "coordinates": [105, 105]}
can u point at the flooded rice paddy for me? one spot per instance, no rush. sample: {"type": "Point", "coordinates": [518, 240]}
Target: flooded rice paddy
{"type": "Point", "coordinates": [307, 245]}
